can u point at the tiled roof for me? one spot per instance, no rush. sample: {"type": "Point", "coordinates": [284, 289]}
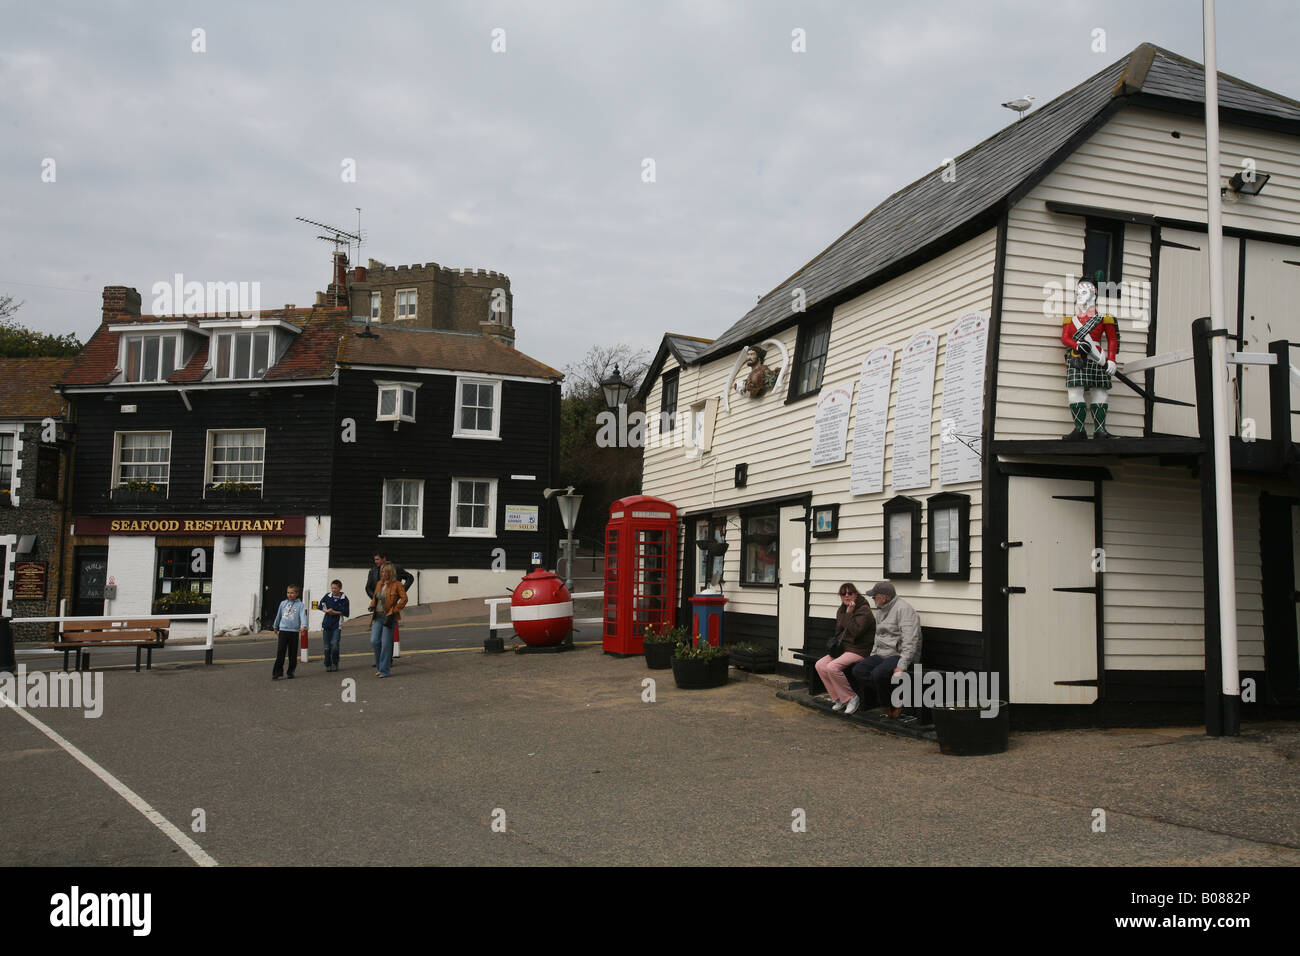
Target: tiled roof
{"type": "Point", "coordinates": [918, 217]}
{"type": "Point", "coordinates": [327, 339]}
{"type": "Point", "coordinates": [429, 348]}
{"type": "Point", "coordinates": [26, 387]}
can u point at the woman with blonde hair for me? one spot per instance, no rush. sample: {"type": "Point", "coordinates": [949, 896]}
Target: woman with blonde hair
{"type": "Point", "coordinates": [386, 608]}
{"type": "Point", "coordinates": [855, 631]}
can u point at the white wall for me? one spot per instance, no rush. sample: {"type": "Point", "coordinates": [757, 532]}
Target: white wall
{"type": "Point", "coordinates": [132, 563]}
{"type": "Point", "coordinates": [236, 582]}
{"type": "Point", "coordinates": [316, 564]}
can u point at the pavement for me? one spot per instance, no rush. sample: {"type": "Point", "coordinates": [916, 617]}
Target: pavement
{"type": "Point", "coordinates": [583, 758]}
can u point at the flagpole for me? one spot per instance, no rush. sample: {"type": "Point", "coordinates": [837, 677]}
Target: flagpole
{"type": "Point", "coordinates": [1230, 689]}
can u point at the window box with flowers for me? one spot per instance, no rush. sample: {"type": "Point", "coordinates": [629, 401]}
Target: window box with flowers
{"type": "Point", "coordinates": [701, 666]}
{"type": "Point", "coordinates": [659, 645]}
{"type": "Point", "coordinates": [232, 491]}
{"type": "Point", "coordinates": [138, 493]}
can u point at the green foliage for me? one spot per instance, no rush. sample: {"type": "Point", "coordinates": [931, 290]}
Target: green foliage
{"type": "Point", "coordinates": [18, 341]}
{"type": "Point", "coordinates": [182, 598]}
{"type": "Point", "coordinates": [139, 486]}
{"type": "Point", "coordinates": [670, 634]}
{"type": "Point", "coordinates": [703, 651]}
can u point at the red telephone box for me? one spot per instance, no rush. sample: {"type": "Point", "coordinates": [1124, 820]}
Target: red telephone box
{"type": "Point", "coordinates": [640, 571]}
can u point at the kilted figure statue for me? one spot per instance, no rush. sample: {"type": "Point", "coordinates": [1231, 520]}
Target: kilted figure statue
{"type": "Point", "coordinates": [1088, 367]}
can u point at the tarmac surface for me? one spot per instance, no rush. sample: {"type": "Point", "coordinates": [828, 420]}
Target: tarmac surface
{"type": "Point", "coordinates": [463, 758]}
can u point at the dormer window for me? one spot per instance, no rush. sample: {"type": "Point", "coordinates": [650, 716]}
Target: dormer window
{"type": "Point", "coordinates": [396, 402]}
{"type": "Point", "coordinates": [149, 358]}
{"type": "Point", "coordinates": [242, 355]}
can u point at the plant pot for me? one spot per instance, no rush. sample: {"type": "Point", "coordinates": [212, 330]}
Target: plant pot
{"type": "Point", "coordinates": [756, 662]}
{"type": "Point", "coordinates": [963, 732]}
{"type": "Point", "coordinates": [659, 657]}
{"type": "Point", "coordinates": [691, 674]}
{"type": "Point", "coordinates": [182, 609]}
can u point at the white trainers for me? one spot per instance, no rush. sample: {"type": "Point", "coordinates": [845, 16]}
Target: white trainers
{"type": "Point", "coordinates": [852, 706]}
{"type": "Point", "coordinates": [839, 705]}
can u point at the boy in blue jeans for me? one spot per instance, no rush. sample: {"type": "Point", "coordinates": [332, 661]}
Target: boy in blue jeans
{"type": "Point", "coordinates": [336, 608]}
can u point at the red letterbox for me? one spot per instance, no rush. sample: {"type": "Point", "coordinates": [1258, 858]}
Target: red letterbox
{"type": "Point", "coordinates": [640, 571]}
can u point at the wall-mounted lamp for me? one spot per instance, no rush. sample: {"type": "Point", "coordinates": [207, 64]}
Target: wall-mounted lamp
{"type": "Point", "coordinates": [1248, 187]}
{"type": "Point", "coordinates": [26, 543]}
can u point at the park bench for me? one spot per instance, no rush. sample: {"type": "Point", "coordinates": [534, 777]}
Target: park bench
{"type": "Point", "coordinates": [814, 649]}
{"type": "Point", "coordinates": [144, 634]}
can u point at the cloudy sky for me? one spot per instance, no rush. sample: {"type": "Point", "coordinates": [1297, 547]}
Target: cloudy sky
{"type": "Point", "coordinates": [530, 160]}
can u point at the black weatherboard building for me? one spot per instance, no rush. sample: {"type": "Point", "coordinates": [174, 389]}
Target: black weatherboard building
{"type": "Point", "coordinates": [222, 459]}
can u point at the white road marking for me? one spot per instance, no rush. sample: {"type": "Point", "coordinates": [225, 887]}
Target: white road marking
{"type": "Point", "coordinates": [195, 852]}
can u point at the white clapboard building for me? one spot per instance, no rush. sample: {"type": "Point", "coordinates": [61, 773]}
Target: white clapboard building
{"type": "Point", "coordinates": [913, 432]}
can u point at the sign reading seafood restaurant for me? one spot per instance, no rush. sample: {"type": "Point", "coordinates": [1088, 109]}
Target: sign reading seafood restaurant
{"type": "Point", "coordinates": [193, 524]}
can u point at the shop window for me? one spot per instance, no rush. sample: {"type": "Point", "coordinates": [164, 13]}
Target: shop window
{"type": "Point", "coordinates": [759, 549]}
{"type": "Point", "coordinates": [403, 508]}
{"type": "Point", "coordinates": [478, 403]}
{"type": "Point", "coordinates": [903, 538]}
{"type": "Point", "coordinates": [143, 458]}
{"type": "Point", "coordinates": [184, 570]}
{"type": "Point", "coordinates": [948, 537]}
{"type": "Point", "coordinates": [810, 358]}
{"type": "Point", "coordinates": [149, 358]}
{"type": "Point", "coordinates": [473, 506]}
{"type": "Point", "coordinates": [1103, 251]}
{"type": "Point", "coordinates": [710, 560]}
{"type": "Point", "coordinates": [396, 402]}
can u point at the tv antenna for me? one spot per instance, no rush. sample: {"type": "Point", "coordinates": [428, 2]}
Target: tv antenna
{"type": "Point", "coordinates": [339, 237]}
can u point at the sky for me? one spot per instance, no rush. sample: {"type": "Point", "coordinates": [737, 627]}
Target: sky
{"type": "Point", "coordinates": [515, 137]}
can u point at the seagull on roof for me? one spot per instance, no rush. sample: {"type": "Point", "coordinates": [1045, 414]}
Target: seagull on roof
{"type": "Point", "coordinates": [1020, 105]}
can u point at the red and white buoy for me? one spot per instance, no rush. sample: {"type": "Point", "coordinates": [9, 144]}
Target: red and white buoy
{"type": "Point", "coordinates": [541, 609]}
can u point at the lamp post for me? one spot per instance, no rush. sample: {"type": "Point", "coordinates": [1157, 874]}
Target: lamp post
{"type": "Point", "coordinates": [616, 390]}
{"type": "Point", "coordinates": [569, 504]}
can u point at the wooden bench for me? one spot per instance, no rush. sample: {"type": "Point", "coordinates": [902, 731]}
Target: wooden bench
{"type": "Point", "coordinates": [810, 655]}
{"type": "Point", "coordinates": [144, 634]}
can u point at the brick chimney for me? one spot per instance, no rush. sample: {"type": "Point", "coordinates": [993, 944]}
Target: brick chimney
{"type": "Point", "coordinates": [121, 303]}
{"type": "Point", "coordinates": [337, 292]}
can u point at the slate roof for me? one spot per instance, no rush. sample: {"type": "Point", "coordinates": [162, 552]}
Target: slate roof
{"type": "Point", "coordinates": [27, 388]}
{"type": "Point", "coordinates": [685, 348]}
{"type": "Point", "coordinates": [921, 219]}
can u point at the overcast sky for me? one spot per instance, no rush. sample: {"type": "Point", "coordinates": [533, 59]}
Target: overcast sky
{"type": "Point", "coordinates": [527, 161]}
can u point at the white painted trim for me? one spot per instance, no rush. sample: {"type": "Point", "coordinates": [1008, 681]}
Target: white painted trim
{"type": "Point", "coordinates": [117, 455]}
{"type": "Point", "coordinates": [126, 388]}
{"type": "Point", "coordinates": [207, 464]}
{"type": "Point", "coordinates": [148, 332]}
{"type": "Point", "coordinates": [273, 352]}
{"type": "Point", "coordinates": [415, 303]}
{"type": "Point", "coordinates": [397, 415]}
{"type": "Point", "coordinates": [376, 305]}
{"type": "Point", "coordinates": [495, 431]}
{"type": "Point", "coordinates": [541, 612]}
{"type": "Point", "coordinates": [468, 373]}
{"type": "Point", "coordinates": [138, 327]}
{"type": "Point", "coordinates": [491, 530]}
{"type": "Point", "coordinates": [10, 543]}
{"type": "Point", "coordinates": [250, 324]}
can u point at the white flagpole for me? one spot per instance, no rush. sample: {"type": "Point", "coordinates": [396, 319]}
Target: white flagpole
{"type": "Point", "coordinates": [1231, 687]}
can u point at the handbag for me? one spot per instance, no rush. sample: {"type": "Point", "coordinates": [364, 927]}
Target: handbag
{"type": "Point", "coordinates": [835, 646]}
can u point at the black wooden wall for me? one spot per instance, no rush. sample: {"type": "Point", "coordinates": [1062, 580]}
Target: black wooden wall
{"type": "Point", "coordinates": [299, 423]}
{"type": "Point", "coordinates": [425, 449]}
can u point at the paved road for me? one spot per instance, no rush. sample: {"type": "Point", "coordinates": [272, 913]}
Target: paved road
{"type": "Point", "coordinates": [581, 769]}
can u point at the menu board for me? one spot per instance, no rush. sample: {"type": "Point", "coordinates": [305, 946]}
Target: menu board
{"type": "Point", "coordinates": [867, 474]}
{"type": "Point", "coordinates": [830, 441]}
{"type": "Point", "coordinates": [961, 421]}
{"type": "Point", "coordinates": [912, 413]}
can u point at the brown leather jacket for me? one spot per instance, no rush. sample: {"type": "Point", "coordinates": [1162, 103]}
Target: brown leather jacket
{"type": "Point", "coordinates": [857, 626]}
{"type": "Point", "coordinates": [394, 600]}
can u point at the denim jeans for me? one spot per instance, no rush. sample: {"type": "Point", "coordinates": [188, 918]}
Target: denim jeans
{"type": "Point", "coordinates": [330, 638]}
{"type": "Point", "coordinates": [381, 639]}
{"type": "Point", "coordinates": [879, 671]}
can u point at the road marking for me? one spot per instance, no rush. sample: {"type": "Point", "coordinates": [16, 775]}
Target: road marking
{"type": "Point", "coordinates": [195, 852]}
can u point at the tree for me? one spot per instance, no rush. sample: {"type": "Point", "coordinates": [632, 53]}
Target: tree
{"type": "Point", "coordinates": [600, 474]}
{"type": "Point", "coordinates": [18, 341]}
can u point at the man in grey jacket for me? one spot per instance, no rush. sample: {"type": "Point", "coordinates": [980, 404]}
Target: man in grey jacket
{"type": "Point", "coordinates": [897, 646]}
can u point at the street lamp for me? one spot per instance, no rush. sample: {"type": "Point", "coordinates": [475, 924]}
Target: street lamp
{"type": "Point", "coordinates": [616, 390]}
{"type": "Point", "coordinates": [569, 504]}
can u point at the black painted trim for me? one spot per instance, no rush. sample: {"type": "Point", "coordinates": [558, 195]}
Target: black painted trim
{"type": "Point", "coordinates": [1099, 542]}
{"type": "Point", "coordinates": [1212, 676]}
{"type": "Point", "coordinates": [1148, 412]}
{"type": "Point", "coordinates": [1015, 469]}
{"type": "Point", "coordinates": [993, 486]}
{"type": "Point", "coordinates": [1277, 560]}
{"type": "Point", "coordinates": [1098, 212]}
{"type": "Point", "coordinates": [903, 504]}
{"type": "Point", "coordinates": [948, 499]}
{"type": "Point", "coordinates": [1227, 115]}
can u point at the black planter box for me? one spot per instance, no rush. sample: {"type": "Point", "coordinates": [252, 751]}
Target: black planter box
{"type": "Point", "coordinates": [697, 675]}
{"type": "Point", "coordinates": [659, 656]}
{"type": "Point", "coordinates": [963, 732]}
{"type": "Point", "coordinates": [756, 662]}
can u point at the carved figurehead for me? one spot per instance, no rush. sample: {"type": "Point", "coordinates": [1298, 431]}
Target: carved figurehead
{"type": "Point", "coordinates": [760, 377]}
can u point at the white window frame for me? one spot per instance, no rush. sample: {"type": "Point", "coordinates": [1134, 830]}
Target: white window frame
{"type": "Point", "coordinates": [15, 466]}
{"type": "Point", "coordinates": [400, 388]}
{"type": "Point", "coordinates": [115, 479]}
{"type": "Point", "coordinates": [488, 434]}
{"type": "Point", "coordinates": [208, 476]}
{"type": "Point", "coordinates": [397, 305]}
{"type": "Point", "coordinates": [376, 301]}
{"type": "Point", "coordinates": [218, 374]}
{"type": "Point", "coordinates": [124, 347]}
{"type": "Point", "coordinates": [419, 510]}
{"type": "Point", "coordinates": [491, 530]}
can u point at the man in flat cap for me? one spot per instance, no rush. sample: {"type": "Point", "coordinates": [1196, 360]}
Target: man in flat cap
{"type": "Point", "coordinates": [897, 646]}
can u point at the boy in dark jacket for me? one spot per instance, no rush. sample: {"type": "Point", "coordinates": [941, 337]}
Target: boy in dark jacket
{"type": "Point", "coordinates": [336, 607]}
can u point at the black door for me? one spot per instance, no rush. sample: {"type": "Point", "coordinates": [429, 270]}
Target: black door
{"type": "Point", "coordinates": [90, 573]}
{"type": "Point", "coordinates": [281, 567]}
